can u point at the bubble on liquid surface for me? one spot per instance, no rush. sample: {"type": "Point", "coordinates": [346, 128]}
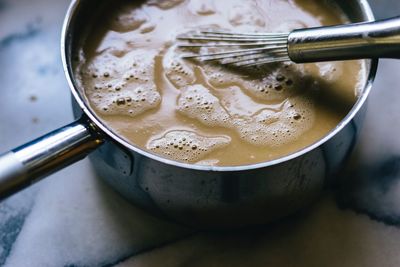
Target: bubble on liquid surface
{"type": "Point", "coordinates": [187, 146]}
{"type": "Point", "coordinates": [197, 102]}
{"type": "Point", "coordinates": [122, 85]}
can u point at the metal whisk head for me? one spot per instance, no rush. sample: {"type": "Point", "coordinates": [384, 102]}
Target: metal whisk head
{"type": "Point", "coordinates": [237, 49]}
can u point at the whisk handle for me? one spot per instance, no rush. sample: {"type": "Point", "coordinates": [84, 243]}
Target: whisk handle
{"type": "Point", "coordinates": [378, 39]}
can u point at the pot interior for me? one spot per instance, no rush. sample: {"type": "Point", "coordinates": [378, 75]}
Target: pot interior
{"type": "Point", "coordinates": [77, 23]}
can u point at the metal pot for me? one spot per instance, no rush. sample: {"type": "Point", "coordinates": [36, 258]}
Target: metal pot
{"type": "Point", "coordinates": [203, 196]}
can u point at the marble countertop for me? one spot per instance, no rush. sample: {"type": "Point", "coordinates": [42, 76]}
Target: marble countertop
{"type": "Point", "coordinates": [73, 219]}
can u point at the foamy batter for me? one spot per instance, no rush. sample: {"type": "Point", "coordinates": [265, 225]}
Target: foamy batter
{"type": "Point", "coordinates": [133, 77]}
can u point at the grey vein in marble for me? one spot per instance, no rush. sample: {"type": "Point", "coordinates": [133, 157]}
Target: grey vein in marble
{"type": "Point", "coordinates": [31, 31]}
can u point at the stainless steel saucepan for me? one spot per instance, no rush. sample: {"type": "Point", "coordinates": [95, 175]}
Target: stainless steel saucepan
{"type": "Point", "coordinates": [203, 196]}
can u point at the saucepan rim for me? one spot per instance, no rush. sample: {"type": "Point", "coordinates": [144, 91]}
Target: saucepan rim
{"type": "Point", "coordinates": [65, 55]}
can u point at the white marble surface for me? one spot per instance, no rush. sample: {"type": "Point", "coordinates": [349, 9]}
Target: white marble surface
{"type": "Point", "coordinates": [73, 219]}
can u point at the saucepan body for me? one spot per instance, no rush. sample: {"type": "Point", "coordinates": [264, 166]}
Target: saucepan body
{"type": "Point", "coordinates": [210, 196]}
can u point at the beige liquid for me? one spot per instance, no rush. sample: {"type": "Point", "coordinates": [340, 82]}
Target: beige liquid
{"type": "Point", "coordinates": [133, 77]}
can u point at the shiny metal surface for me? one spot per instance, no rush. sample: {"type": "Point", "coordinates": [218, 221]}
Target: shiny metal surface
{"type": "Point", "coordinates": [29, 163]}
{"type": "Point", "coordinates": [380, 39]}
{"type": "Point", "coordinates": [204, 196]}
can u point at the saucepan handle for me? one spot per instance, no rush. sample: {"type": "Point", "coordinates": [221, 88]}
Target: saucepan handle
{"type": "Point", "coordinates": [377, 39]}
{"type": "Point", "coordinates": [29, 163]}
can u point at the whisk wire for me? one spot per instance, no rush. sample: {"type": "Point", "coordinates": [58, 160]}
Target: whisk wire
{"type": "Point", "coordinates": [233, 53]}
{"type": "Point", "coordinates": [240, 49]}
{"type": "Point", "coordinates": [243, 34]}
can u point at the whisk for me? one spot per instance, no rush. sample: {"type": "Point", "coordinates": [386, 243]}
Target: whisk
{"type": "Point", "coordinates": [378, 39]}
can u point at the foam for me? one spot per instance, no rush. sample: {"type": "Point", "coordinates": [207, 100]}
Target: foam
{"type": "Point", "coordinates": [187, 146]}
{"type": "Point", "coordinates": [274, 83]}
{"type": "Point", "coordinates": [165, 4]}
{"type": "Point", "coordinates": [197, 102]}
{"type": "Point", "coordinates": [271, 128]}
{"type": "Point", "coordinates": [122, 85]}
{"type": "Point", "coordinates": [330, 71]}
{"type": "Point", "coordinates": [177, 70]}
{"type": "Point", "coordinates": [246, 15]}
{"type": "Point", "coordinates": [202, 7]}
{"type": "Point", "coordinates": [129, 20]}
{"type": "Point", "coordinates": [267, 127]}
